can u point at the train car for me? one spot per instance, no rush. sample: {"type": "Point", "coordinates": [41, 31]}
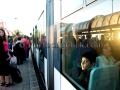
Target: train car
{"type": "Point", "coordinates": [71, 28]}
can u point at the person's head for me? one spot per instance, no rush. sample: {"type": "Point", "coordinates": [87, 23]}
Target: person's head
{"type": "Point", "coordinates": [83, 38]}
{"type": "Point", "coordinates": [8, 37]}
{"type": "Point", "coordinates": [89, 35]}
{"type": "Point", "coordinates": [24, 36]}
{"type": "Point", "coordinates": [88, 60]}
{"type": "Point", "coordinates": [18, 34]}
{"type": "Point", "coordinates": [27, 37]}
{"type": "Point", "coordinates": [19, 38]}
{"type": "Point", "coordinates": [2, 34]}
{"type": "Point", "coordinates": [106, 50]}
{"type": "Point", "coordinates": [102, 37]}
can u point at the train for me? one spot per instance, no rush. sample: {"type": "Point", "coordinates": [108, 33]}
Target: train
{"type": "Point", "coordinates": [61, 25]}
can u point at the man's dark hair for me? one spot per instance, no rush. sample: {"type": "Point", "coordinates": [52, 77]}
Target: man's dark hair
{"type": "Point", "coordinates": [90, 56]}
{"type": "Point", "coordinates": [19, 38]}
{"type": "Point", "coordinates": [17, 33]}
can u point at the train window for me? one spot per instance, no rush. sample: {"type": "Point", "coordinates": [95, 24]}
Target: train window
{"type": "Point", "coordinates": [70, 6]}
{"type": "Point", "coordinates": [88, 31]}
{"type": "Point", "coordinates": [40, 41]}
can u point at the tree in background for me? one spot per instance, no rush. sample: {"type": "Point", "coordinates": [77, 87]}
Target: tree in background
{"type": "Point", "coordinates": [15, 31]}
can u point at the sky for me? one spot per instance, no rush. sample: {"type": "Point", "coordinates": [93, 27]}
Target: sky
{"type": "Point", "coordinates": [21, 14]}
{"type": "Point", "coordinates": [103, 8]}
{"type": "Point", "coordinates": [27, 12]}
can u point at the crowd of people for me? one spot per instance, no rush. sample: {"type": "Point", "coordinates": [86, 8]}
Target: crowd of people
{"type": "Point", "coordinates": [19, 48]}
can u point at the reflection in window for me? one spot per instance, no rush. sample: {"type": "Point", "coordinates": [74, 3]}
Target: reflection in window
{"type": "Point", "coordinates": [86, 35]}
{"type": "Point", "coordinates": [114, 19]}
{"type": "Point", "coordinates": [70, 53]}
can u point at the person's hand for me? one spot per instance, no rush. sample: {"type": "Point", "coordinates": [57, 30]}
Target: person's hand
{"type": "Point", "coordinates": [10, 50]}
{"type": "Point", "coordinates": [8, 58]}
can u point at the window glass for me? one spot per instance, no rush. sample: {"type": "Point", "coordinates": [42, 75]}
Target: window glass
{"type": "Point", "coordinates": [73, 5]}
{"type": "Point", "coordinates": [41, 41]}
{"type": "Point", "coordinates": [84, 31]}
{"type": "Point", "coordinates": [70, 6]}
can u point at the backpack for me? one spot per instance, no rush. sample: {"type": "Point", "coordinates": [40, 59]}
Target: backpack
{"type": "Point", "coordinates": [15, 74]}
{"type": "Point", "coordinates": [18, 48]}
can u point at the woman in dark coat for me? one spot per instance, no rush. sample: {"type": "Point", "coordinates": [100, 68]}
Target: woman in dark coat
{"type": "Point", "coordinates": [4, 61]}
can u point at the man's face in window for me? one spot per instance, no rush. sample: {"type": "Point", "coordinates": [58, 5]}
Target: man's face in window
{"type": "Point", "coordinates": [85, 63]}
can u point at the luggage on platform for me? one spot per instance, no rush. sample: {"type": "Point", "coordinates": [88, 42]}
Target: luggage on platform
{"type": "Point", "coordinates": [15, 74]}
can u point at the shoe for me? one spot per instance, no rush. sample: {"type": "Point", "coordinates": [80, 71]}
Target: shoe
{"type": "Point", "coordinates": [10, 84]}
{"type": "Point", "coordinates": [2, 84]}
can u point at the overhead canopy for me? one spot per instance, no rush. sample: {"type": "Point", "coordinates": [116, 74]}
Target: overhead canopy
{"type": "Point", "coordinates": [79, 27]}
{"type": "Point", "coordinates": [99, 22]}
{"type": "Point", "coordinates": [83, 26]}
{"type": "Point", "coordinates": [107, 22]}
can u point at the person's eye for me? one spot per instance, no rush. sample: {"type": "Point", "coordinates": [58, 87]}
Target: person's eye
{"type": "Point", "coordinates": [85, 61]}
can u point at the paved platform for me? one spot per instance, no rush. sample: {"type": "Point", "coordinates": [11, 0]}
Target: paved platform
{"type": "Point", "coordinates": [29, 78]}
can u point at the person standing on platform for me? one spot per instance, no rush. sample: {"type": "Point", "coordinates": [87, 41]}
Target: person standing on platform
{"type": "Point", "coordinates": [24, 40]}
{"type": "Point", "coordinates": [29, 46]}
{"type": "Point", "coordinates": [19, 49]}
{"type": "Point", "coordinates": [16, 38]}
{"type": "Point", "coordinates": [4, 60]}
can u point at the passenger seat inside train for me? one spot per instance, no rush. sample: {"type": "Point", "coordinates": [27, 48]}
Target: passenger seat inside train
{"type": "Point", "coordinates": [104, 78]}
